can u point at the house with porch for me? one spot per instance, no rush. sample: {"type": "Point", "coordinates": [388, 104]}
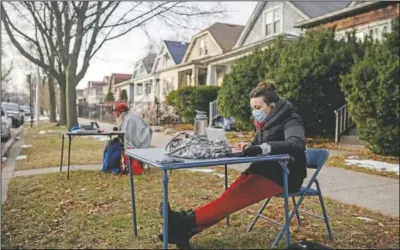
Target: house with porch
{"type": "Point", "coordinates": [166, 67]}
{"type": "Point", "coordinates": [365, 18]}
{"type": "Point", "coordinates": [215, 40]}
{"type": "Point", "coordinates": [268, 21]}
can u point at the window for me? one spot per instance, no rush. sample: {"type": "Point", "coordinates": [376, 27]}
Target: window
{"type": "Point", "coordinates": [139, 89]}
{"type": "Point", "coordinates": [273, 21]}
{"type": "Point", "coordinates": [203, 47]}
{"type": "Point", "coordinates": [142, 69]}
{"type": "Point", "coordinates": [371, 33]}
{"type": "Point", "coordinates": [147, 89]}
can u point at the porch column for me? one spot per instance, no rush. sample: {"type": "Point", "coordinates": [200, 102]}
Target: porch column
{"type": "Point", "coordinates": [193, 81]}
{"type": "Point", "coordinates": [211, 75]}
{"type": "Point", "coordinates": [228, 69]}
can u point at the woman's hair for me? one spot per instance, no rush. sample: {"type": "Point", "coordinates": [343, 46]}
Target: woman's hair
{"type": "Point", "coordinates": [266, 90]}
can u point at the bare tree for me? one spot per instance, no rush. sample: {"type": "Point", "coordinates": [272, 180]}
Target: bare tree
{"type": "Point", "coordinates": [72, 32]}
{"type": "Point", "coordinates": [5, 71]}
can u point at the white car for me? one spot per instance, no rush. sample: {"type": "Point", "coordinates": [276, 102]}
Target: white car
{"type": "Point", "coordinates": [5, 125]}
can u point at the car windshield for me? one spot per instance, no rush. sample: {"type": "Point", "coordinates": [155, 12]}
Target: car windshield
{"type": "Point", "coordinates": [10, 106]}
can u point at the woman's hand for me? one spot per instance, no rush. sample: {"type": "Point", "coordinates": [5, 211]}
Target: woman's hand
{"type": "Point", "coordinates": [241, 145]}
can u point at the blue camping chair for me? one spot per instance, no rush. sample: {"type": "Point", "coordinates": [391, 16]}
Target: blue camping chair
{"type": "Point", "coordinates": [315, 160]}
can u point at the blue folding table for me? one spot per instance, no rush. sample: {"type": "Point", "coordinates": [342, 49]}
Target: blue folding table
{"type": "Point", "coordinates": [151, 155]}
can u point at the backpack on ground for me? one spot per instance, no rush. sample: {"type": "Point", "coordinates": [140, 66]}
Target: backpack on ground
{"type": "Point", "coordinates": [114, 163]}
{"type": "Point", "coordinates": [112, 156]}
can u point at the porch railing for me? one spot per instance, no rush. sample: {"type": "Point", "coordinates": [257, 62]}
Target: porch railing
{"type": "Point", "coordinates": [214, 112]}
{"type": "Point", "coordinates": [343, 121]}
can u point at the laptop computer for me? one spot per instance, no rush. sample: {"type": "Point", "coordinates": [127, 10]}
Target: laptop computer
{"type": "Point", "coordinates": [218, 135]}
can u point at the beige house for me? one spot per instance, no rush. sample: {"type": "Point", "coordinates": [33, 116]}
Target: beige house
{"type": "Point", "coordinates": [268, 21]}
{"type": "Point", "coordinates": [216, 40]}
{"type": "Point", "coordinates": [166, 67]}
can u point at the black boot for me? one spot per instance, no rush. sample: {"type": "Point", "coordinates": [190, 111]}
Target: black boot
{"type": "Point", "coordinates": [180, 226]}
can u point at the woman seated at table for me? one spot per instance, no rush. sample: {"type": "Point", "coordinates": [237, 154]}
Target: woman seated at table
{"type": "Point", "coordinates": [279, 130]}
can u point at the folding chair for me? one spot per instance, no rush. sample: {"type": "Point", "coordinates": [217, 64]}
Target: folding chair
{"type": "Point", "coordinates": [315, 160]}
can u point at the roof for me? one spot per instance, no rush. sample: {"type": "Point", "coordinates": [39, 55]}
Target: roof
{"type": "Point", "coordinates": [225, 34]}
{"type": "Point", "coordinates": [176, 49]}
{"type": "Point", "coordinates": [341, 13]}
{"type": "Point", "coordinates": [119, 77]}
{"type": "Point", "coordinates": [148, 61]}
{"type": "Point", "coordinates": [314, 9]}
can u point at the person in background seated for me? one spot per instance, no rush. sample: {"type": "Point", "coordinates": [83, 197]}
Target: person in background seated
{"type": "Point", "coordinates": [138, 133]}
{"type": "Point", "coordinates": [279, 130]}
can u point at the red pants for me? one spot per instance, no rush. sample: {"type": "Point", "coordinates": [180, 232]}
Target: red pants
{"type": "Point", "coordinates": [243, 192]}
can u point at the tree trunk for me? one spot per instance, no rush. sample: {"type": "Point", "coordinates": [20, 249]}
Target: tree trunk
{"type": "Point", "coordinates": [52, 97]}
{"type": "Point", "coordinates": [72, 119]}
{"type": "Point", "coordinates": [63, 105]}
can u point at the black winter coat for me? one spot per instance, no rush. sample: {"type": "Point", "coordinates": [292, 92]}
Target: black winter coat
{"type": "Point", "coordinates": [284, 132]}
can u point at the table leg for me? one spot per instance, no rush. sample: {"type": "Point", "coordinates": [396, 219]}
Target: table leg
{"type": "Point", "coordinates": [69, 154]}
{"type": "Point", "coordinates": [62, 152]}
{"type": "Point", "coordinates": [165, 209]}
{"type": "Point", "coordinates": [132, 197]}
{"type": "Point", "coordinates": [226, 187]}
{"type": "Point", "coordinates": [286, 227]}
{"type": "Point", "coordinates": [286, 195]}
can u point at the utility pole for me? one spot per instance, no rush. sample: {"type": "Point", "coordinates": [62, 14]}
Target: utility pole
{"type": "Point", "coordinates": [30, 98]}
{"type": "Point", "coordinates": [37, 113]}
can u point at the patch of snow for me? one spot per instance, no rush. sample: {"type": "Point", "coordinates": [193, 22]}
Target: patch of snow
{"type": "Point", "coordinates": [219, 175]}
{"type": "Point", "coordinates": [17, 138]}
{"type": "Point", "coordinates": [4, 159]}
{"type": "Point", "coordinates": [352, 157]}
{"type": "Point", "coordinates": [26, 146]}
{"type": "Point", "coordinates": [21, 157]}
{"type": "Point", "coordinates": [50, 131]}
{"type": "Point", "coordinates": [203, 170]}
{"type": "Point", "coordinates": [377, 165]}
{"type": "Point", "coordinates": [101, 138]}
{"type": "Point", "coordinates": [365, 219]}
{"type": "Point", "coordinates": [42, 132]}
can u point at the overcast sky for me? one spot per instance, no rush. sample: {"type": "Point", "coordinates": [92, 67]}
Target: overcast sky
{"type": "Point", "coordinates": [119, 56]}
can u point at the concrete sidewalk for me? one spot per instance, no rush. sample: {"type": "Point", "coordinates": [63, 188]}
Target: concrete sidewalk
{"type": "Point", "coordinates": [376, 193]}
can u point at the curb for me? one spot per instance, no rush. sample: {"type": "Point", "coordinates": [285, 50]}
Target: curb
{"type": "Point", "coordinates": [11, 141]}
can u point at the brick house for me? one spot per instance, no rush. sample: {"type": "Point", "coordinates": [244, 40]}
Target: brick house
{"type": "Point", "coordinates": [366, 18]}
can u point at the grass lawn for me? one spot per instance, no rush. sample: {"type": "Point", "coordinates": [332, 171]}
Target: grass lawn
{"type": "Point", "coordinates": [92, 210]}
{"type": "Point", "coordinates": [46, 148]}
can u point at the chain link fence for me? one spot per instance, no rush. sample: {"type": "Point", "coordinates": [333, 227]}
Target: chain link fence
{"type": "Point", "coordinates": [152, 113]}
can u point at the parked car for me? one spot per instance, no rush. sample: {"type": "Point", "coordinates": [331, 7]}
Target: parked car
{"type": "Point", "coordinates": [5, 125]}
{"type": "Point", "coordinates": [13, 110]}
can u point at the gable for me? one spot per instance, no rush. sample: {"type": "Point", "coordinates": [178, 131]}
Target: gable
{"type": "Point", "coordinates": [139, 69]}
{"type": "Point", "coordinates": [203, 45]}
{"type": "Point", "coordinates": [163, 59]}
{"type": "Point", "coordinates": [284, 16]}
